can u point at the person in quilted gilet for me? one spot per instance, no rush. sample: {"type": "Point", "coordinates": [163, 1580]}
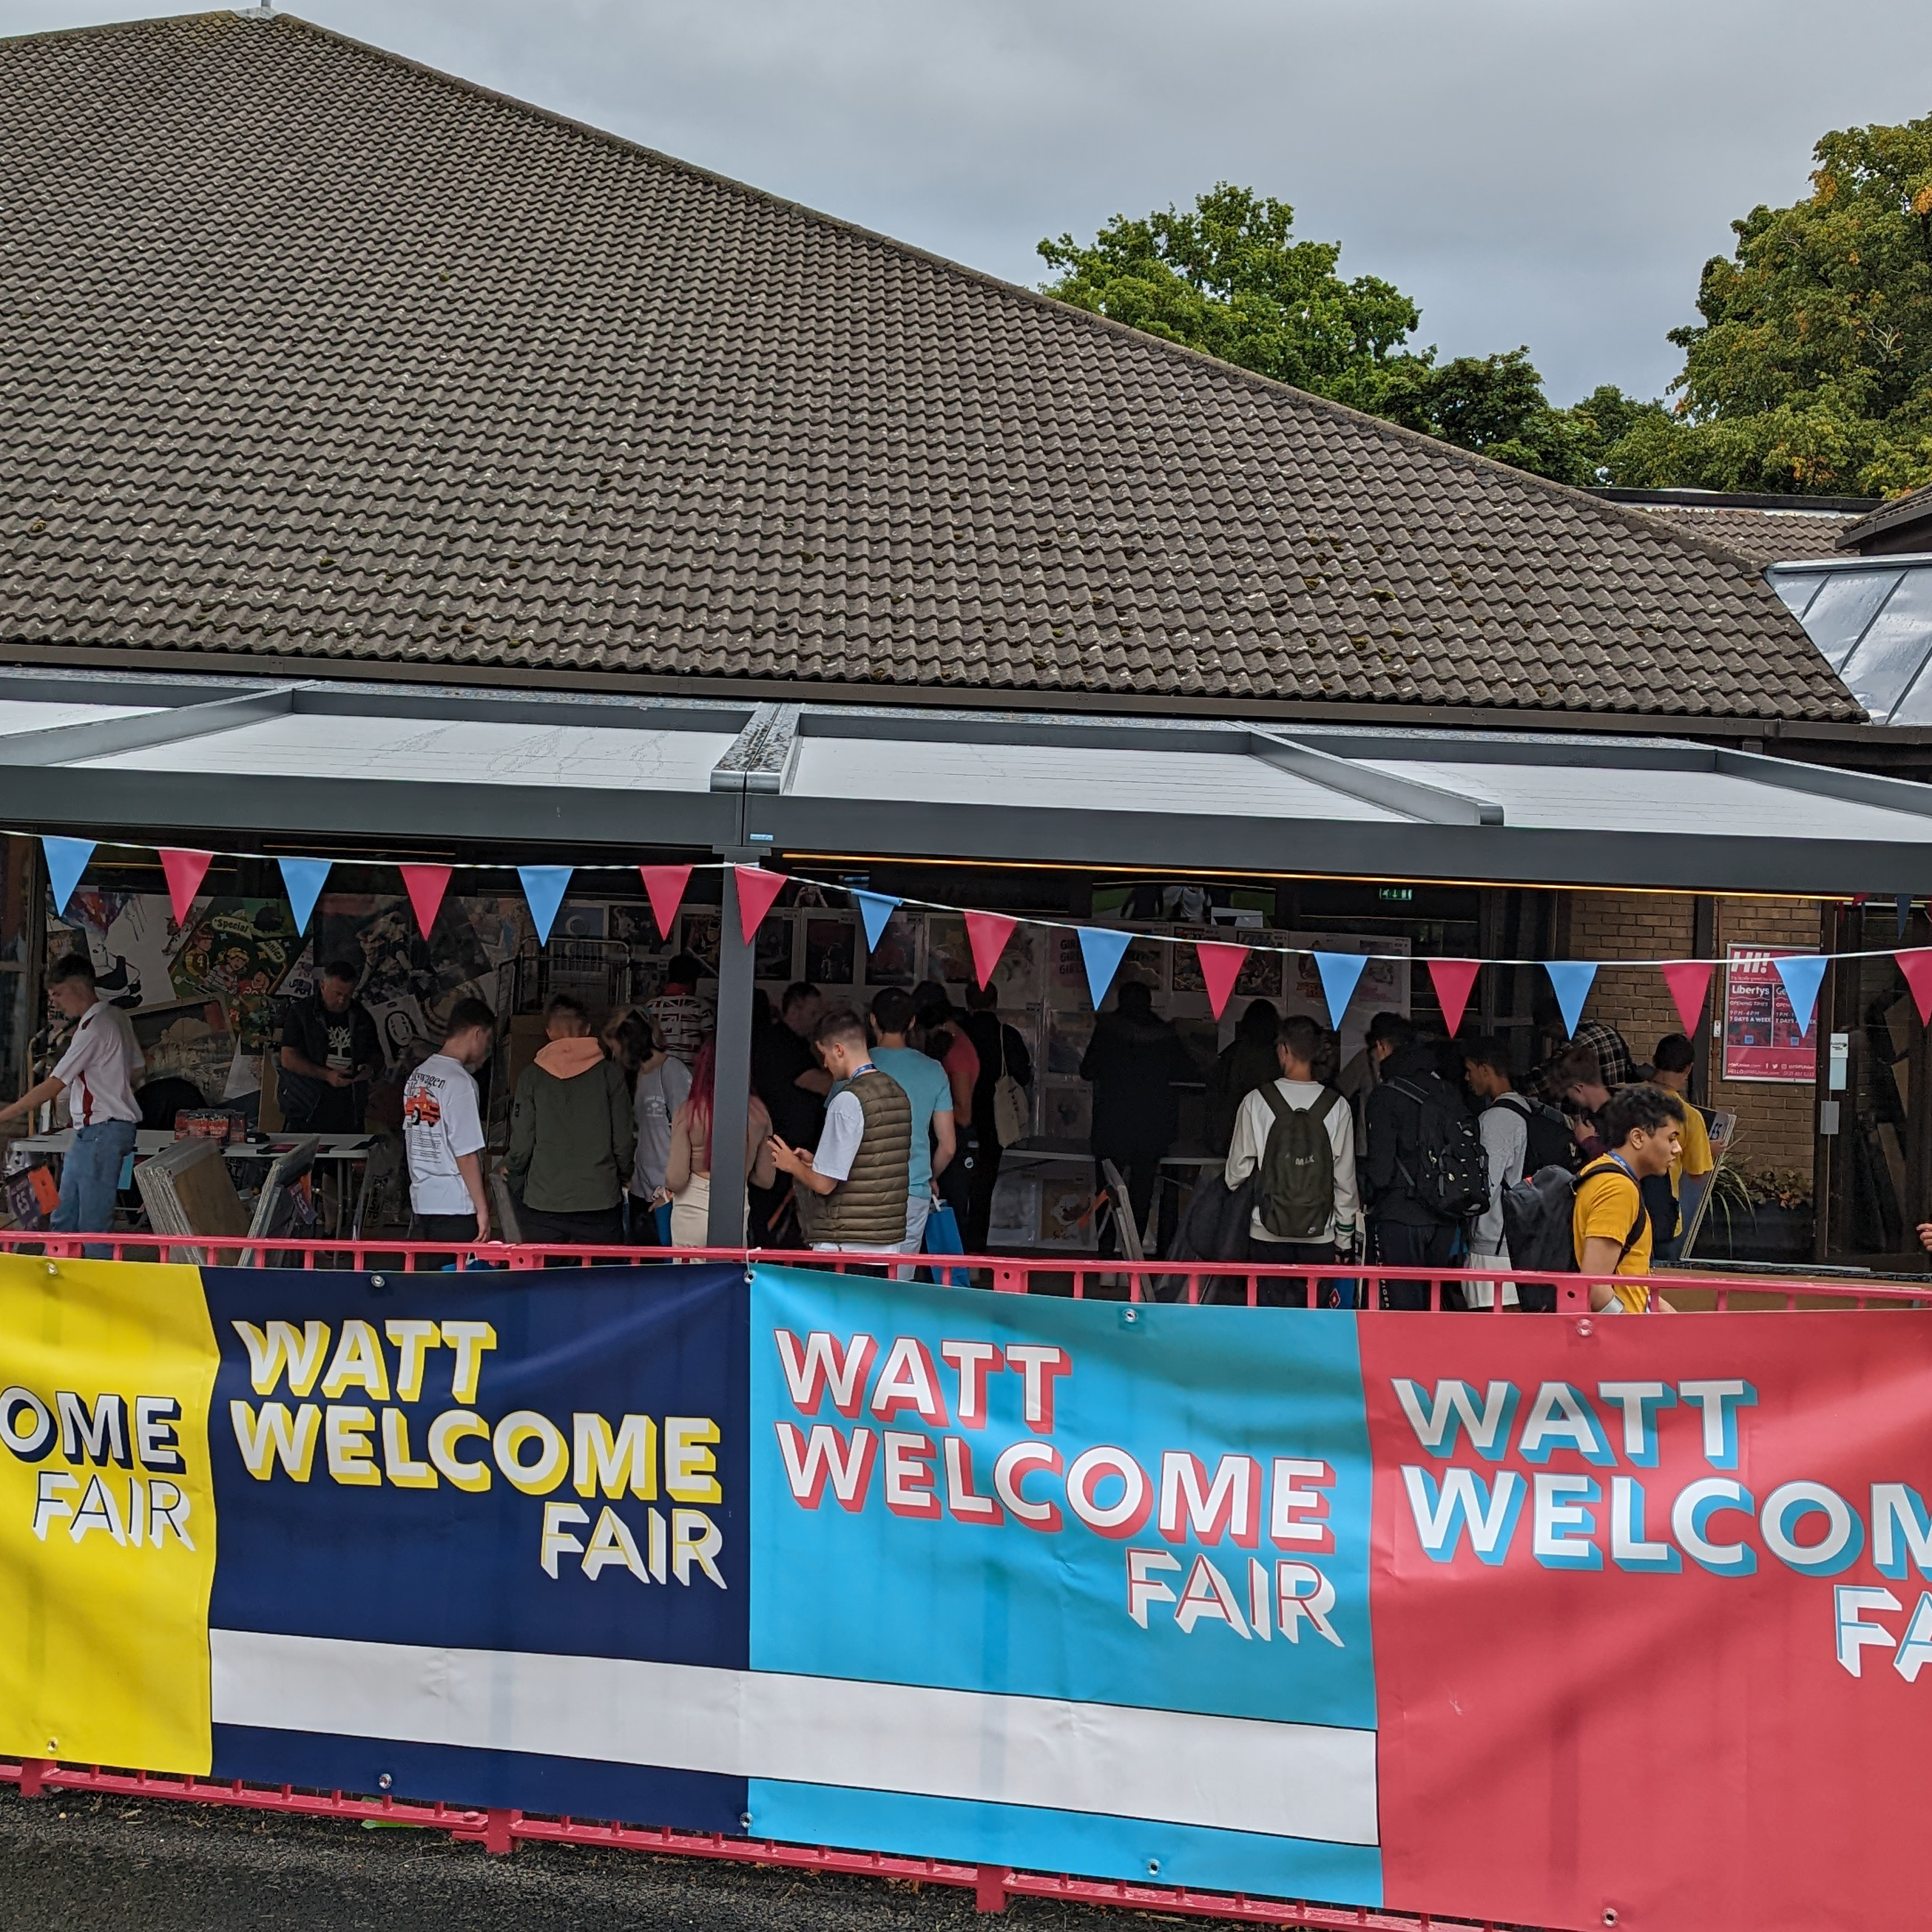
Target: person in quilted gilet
{"type": "Point", "coordinates": [852, 1188]}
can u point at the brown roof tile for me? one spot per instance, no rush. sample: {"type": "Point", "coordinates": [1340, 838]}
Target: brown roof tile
{"type": "Point", "coordinates": [306, 352]}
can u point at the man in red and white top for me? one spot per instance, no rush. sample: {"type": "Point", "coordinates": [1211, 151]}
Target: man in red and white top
{"type": "Point", "coordinates": [96, 1073]}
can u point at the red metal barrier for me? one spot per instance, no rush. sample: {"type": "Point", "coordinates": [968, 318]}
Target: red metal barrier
{"type": "Point", "coordinates": [992, 1886]}
{"type": "Point", "coordinates": [1082, 1277]}
{"type": "Point", "coordinates": [502, 1832]}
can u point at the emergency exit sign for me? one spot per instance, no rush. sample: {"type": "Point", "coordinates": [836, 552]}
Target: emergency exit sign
{"type": "Point", "coordinates": [1397, 895]}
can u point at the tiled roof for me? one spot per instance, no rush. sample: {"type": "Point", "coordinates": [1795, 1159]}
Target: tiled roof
{"type": "Point", "coordinates": [1759, 536]}
{"type": "Point", "coordinates": [308, 355]}
{"type": "Point", "coordinates": [1914, 508]}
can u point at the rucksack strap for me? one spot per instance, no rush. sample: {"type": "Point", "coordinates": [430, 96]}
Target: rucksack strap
{"type": "Point", "coordinates": [1321, 1108]}
{"type": "Point", "coordinates": [1604, 1164]}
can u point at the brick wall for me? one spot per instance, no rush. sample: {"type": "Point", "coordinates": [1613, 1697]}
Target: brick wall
{"type": "Point", "coordinates": [1775, 1122]}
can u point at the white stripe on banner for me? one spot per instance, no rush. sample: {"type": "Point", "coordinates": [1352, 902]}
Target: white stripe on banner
{"type": "Point", "coordinates": [1237, 1774]}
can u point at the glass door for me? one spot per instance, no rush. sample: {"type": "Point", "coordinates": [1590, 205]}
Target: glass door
{"type": "Point", "coordinates": [1875, 1165]}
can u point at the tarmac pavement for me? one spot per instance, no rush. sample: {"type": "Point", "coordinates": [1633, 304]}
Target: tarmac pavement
{"type": "Point", "coordinates": [73, 1862]}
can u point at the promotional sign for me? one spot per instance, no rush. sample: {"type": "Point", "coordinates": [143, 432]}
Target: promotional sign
{"type": "Point", "coordinates": [1565, 1622]}
{"type": "Point", "coordinates": [1762, 1038]}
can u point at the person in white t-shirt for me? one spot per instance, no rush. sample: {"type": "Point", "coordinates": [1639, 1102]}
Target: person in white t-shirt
{"type": "Point", "coordinates": [1296, 1051]}
{"type": "Point", "coordinates": [97, 1074]}
{"type": "Point", "coordinates": [1504, 1129]}
{"type": "Point", "coordinates": [443, 1131]}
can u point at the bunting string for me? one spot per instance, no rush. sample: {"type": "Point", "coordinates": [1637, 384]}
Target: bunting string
{"type": "Point", "coordinates": [1103, 948]}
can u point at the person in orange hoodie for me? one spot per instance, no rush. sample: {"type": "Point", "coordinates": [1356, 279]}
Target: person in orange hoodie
{"type": "Point", "coordinates": [572, 1135]}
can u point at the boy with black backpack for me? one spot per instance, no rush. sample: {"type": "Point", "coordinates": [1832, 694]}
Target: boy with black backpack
{"type": "Point", "coordinates": [1519, 1135]}
{"type": "Point", "coordinates": [1301, 1137]}
{"type": "Point", "coordinates": [1427, 1175]}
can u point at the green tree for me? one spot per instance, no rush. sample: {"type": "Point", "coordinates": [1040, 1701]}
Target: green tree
{"type": "Point", "coordinates": [1812, 367]}
{"type": "Point", "coordinates": [1229, 277]}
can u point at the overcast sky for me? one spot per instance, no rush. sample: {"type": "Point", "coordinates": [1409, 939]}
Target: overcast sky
{"type": "Point", "coordinates": [1547, 172]}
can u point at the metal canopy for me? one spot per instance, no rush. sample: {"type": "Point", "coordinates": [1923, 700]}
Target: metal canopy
{"type": "Point", "coordinates": [405, 768]}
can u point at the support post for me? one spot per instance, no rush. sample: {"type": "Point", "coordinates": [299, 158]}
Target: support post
{"type": "Point", "coordinates": [33, 1776]}
{"type": "Point", "coordinates": [731, 1096]}
{"type": "Point", "coordinates": [989, 1888]}
{"type": "Point", "coordinates": [497, 1839]}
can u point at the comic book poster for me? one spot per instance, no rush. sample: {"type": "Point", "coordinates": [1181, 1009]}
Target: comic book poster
{"type": "Point", "coordinates": [408, 987]}
{"type": "Point", "coordinates": [830, 944]}
{"type": "Point", "coordinates": [777, 935]}
{"type": "Point", "coordinates": [949, 958]}
{"type": "Point", "coordinates": [894, 961]}
{"type": "Point", "coordinates": [699, 937]}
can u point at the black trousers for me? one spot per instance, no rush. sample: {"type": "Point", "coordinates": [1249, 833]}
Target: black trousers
{"type": "Point", "coordinates": [595, 1227]}
{"type": "Point", "coordinates": [458, 1229]}
{"type": "Point", "coordinates": [957, 1180]}
{"type": "Point", "coordinates": [980, 1186]}
{"type": "Point", "coordinates": [1403, 1244]}
{"type": "Point", "coordinates": [1275, 1293]}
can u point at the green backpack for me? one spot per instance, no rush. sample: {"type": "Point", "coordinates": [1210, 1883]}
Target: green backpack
{"type": "Point", "coordinates": [1298, 1168]}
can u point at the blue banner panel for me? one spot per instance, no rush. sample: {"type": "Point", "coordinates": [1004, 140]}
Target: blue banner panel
{"type": "Point", "coordinates": [458, 1460]}
{"type": "Point", "coordinates": [482, 1532]}
{"type": "Point", "coordinates": [1068, 1560]}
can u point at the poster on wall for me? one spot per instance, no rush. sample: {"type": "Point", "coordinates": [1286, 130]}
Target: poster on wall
{"type": "Point", "coordinates": [1762, 1040]}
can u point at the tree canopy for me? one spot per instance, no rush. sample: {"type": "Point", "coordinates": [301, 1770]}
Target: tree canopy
{"type": "Point", "coordinates": [1810, 371]}
{"type": "Point", "coordinates": [1229, 277]}
{"type": "Point", "coordinates": [1812, 368]}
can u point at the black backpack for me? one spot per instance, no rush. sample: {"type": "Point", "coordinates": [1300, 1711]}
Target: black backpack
{"type": "Point", "coordinates": [1538, 1222]}
{"type": "Point", "coordinates": [1298, 1170]}
{"type": "Point", "coordinates": [1452, 1176]}
{"type": "Point", "coordinates": [1548, 1131]}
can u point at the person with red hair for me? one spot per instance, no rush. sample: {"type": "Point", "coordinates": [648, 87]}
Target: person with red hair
{"type": "Point", "coordinates": [688, 1171]}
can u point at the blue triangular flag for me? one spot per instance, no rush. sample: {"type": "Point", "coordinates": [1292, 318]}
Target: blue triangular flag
{"type": "Point", "coordinates": [1103, 950]}
{"type": "Point", "coordinates": [67, 860]}
{"type": "Point", "coordinates": [1802, 973]}
{"type": "Point", "coordinates": [1339, 972]}
{"type": "Point", "coordinates": [874, 909]}
{"type": "Point", "coordinates": [303, 879]}
{"type": "Point", "coordinates": [544, 889]}
{"type": "Point", "coordinates": [1571, 979]}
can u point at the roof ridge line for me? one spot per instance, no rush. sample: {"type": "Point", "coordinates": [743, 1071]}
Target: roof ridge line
{"type": "Point", "coordinates": [1268, 386]}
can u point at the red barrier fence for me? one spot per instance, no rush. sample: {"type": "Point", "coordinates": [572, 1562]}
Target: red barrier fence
{"type": "Point", "coordinates": [500, 1831]}
{"type": "Point", "coordinates": [1234, 1283]}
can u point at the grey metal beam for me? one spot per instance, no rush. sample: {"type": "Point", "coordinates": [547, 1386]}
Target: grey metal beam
{"type": "Point", "coordinates": [994, 728]}
{"type": "Point", "coordinates": [389, 811]}
{"type": "Point", "coordinates": [101, 737]}
{"type": "Point", "coordinates": [584, 713]}
{"type": "Point", "coordinates": [1502, 855]}
{"type": "Point", "coordinates": [731, 1088]}
{"type": "Point", "coordinates": [1432, 804]}
{"type": "Point", "coordinates": [1905, 795]}
{"type": "Point", "coordinates": [762, 756]}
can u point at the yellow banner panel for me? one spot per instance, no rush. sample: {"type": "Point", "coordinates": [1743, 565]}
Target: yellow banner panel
{"type": "Point", "coordinates": [106, 1513]}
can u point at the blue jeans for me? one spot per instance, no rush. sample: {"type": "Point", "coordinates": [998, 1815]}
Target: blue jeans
{"type": "Point", "coordinates": [90, 1178]}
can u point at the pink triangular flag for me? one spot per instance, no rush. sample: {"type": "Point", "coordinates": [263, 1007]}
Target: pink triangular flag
{"type": "Point", "coordinates": [1689, 980]}
{"type": "Point", "coordinates": [1452, 979]}
{"type": "Point", "coordinates": [185, 871]}
{"type": "Point", "coordinates": [1916, 965]}
{"type": "Point", "coordinates": [425, 885]}
{"type": "Point", "coordinates": [666, 886]}
{"type": "Point", "coordinates": [988, 932]}
{"type": "Point", "coordinates": [757, 888]}
{"type": "Point", "coordinates": [1220, 967]}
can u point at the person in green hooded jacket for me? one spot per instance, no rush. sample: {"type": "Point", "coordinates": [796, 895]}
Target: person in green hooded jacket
{"type": "Point", "coordinates": [572, 1135]}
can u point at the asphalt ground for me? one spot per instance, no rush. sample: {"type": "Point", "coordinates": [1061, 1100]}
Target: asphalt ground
{"type": "Point", "coordinates": [73, 1862]}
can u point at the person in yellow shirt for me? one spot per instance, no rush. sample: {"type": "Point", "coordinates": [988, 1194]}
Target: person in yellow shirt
{"type": "Point", "coordinates": [1673, 1061]}
{"type": "Point", "coordinates": [1642, 1125]}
